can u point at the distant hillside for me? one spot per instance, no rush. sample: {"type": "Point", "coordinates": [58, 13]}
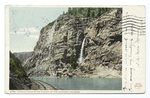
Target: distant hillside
{"type": "Point", "coordinates": [22, 56]}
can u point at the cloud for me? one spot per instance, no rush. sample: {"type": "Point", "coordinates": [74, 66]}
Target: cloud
{"type": "Point", "coordinates": [25, 30]}
{"type": "Point", "coordinates": [29, 30]}
{"type": "Point", "coordinates": [34, 36]}
{"type": "Point", "coordinates": [17, 33]}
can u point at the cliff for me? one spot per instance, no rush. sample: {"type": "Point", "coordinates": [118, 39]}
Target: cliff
{"type": "Point", "coordinates": [58, 49]}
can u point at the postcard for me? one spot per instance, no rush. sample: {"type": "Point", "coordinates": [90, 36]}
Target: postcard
{"type": "Point", "coordinates": [75, 49]}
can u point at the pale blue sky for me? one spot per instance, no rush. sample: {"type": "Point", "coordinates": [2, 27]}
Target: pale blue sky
{"type": "Point", "coordinates": [25, 24]}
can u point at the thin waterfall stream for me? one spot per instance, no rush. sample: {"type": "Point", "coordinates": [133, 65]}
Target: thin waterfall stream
{"type": "Point", "coordinates": [81, 51]}
{"type": "Point", "coordinates": [51, 33]}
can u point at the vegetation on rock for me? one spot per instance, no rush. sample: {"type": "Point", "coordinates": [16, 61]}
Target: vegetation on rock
{"type": "Point", "coordinates": [15, 66]}
{"type": "Point", "coordinates": [70, 70]}
{"type": "Point", "coordinates": [87, 12]}
{"type": "Point", "coordinates": [82, 68]}
{"type": "Point", "coordinates": [47, 74]}
{"type": "Point", "coordinates": [73, 61]}
{"type": "Point", "coordinates": [51, 24]}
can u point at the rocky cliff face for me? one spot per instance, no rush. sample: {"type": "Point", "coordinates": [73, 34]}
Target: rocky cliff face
{"type": "Point", "coordinates": [103, 47]}
{"type": "Point", "coordinates": [102, 51]}
{"type": "Point", "coordinates": [17, 83]}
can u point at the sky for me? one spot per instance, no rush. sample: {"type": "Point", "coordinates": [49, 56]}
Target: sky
{"type": "Point", "coordinates": [25, 24]}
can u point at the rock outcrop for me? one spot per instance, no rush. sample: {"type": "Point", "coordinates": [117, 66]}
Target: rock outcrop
{"type": "Point", "coordinates": [59, 40]}
{"type": "Point", "coordinates": [17, 83]}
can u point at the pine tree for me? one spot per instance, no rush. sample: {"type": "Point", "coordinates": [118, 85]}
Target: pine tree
{"type": "Point", "coordinates": [63, 12]}
{"type": "Point", "coordinates": [99, 12]}
{"type": "Point", "coordinates": [93, 15]}
{"type": "Point", "coordinates": [88, 12]}
{"type": "Point", "coordinates": [69, 10]}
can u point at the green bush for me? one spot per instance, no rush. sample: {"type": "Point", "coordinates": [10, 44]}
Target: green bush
{"type": "Point", "coordinates": [70, 70]}
{"type": "Point", "coordinates": [47, 74]}
{"type": "Point", "coordinates": [89, 68]}
{"type": "Point", "coordinates": [47, 68]}
{"type": "Point", "coordinates": [73, 61]}
{"type": "Point", "coordinates": [51, 24]}
{"type": "Point", "coordinates": [60, 75]}
{"type": "Point", "coordinates": [82, 68]}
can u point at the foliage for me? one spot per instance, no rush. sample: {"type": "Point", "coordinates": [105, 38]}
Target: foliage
{"type": "Point", "coordinates": [82, 68]}
{"type": "Point", "coordinates": [15, 66]}
{"type": "Point", "coordinates": [70, 70]}
{"type": "Point", "coordinates": [60, 75]}
{"type": "Point", "coordinates": [47, 68]}
{"type": "Point", "coordinates": [73, 61]}
{"type": "Point", "coordinates": [51, 24]}
{"type": "Point", "coordinates": [87, 12]}
{"type": "Point", "coordinates": [89, 68]}
{"type": "Point", "coordinates": [47, 74]}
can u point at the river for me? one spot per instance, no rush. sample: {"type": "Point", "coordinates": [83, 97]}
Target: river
{"type": "Point", "coordinates": [84, 83]}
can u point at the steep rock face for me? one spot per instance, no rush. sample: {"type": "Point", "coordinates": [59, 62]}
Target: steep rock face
{"type": "Point", "coordinates": [57, 42]}
{"type": "Point", "coordinates": [52, 53]}
{"type": "Point", "coordinates": [17, 83]}
{"type": "Point", "coordinates": [103, 46]}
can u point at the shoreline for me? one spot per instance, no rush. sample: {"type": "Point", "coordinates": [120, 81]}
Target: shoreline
{"type": "Point", "coordinates": [77, 77]}
{"type": "Point", "coordinates": [41, 85]}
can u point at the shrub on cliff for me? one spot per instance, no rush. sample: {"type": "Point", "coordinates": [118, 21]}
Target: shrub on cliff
{"type": "Point", "coordinates": [70, 70]}
{"type": "Point", "coordinates": [47, 74]}
{"type": "Point", "coordinates": [73, 61]}
{"type": "Point", "coordinates": [82, 68]}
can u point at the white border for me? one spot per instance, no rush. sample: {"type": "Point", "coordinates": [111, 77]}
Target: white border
{"type": "Point", "coordinates": [138, 74]}
{"type": "Point", "coordinates": [76, 2]}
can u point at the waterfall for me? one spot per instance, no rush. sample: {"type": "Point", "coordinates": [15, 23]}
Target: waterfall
{"type": "Point", "coordinates": [50, 34]}
{"type": "Point", "coordinates": [81, 51]}
{"type": "Point", "coordinates": [52, 30]}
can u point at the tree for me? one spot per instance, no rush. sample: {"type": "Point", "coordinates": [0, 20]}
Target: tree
{"type": "Point", "coordinates": [88, 12]}
{"type": "Point", "coordinates": [63, 12]}
{"type": "Point", "coordinates": [99, 12]}
{"type": "Point", "coordinates": [93, 15]}
{"type": "Point", "coordinates": [69, 11]}
{"type": "Point", "coordinates": [80, 10]}
{"type": "Point", "coordinates": [74, 10]}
